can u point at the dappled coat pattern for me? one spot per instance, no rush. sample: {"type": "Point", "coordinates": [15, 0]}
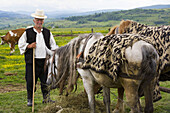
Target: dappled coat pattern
{"type": "Point", "coordinates": [107, 54]}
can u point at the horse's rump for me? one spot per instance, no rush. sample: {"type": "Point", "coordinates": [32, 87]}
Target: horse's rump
{"type": "Point", "coordinates": [108, 54]}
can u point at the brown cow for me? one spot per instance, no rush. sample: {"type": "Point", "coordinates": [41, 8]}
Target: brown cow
{"type": "Point", "coordinates": [12, 38]}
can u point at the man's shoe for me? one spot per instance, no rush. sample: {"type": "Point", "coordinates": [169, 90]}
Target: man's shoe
{"type": "Point", "coordinates": [29, 102]}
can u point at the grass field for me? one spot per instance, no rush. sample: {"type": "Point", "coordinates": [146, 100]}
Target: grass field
{"type": "Point", "coordinates": [13, 92]}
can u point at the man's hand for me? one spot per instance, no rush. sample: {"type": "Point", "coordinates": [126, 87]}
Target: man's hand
{"type": "Point", "coordinates": [32, 45]}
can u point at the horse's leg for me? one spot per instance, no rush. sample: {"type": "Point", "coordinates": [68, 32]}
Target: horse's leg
{"type": "Point", "coordinates": [131, 90]}
{"type": "Point", "coordinates": [106, 94]}
{"type": "Point", "coordinates": [119, 106]}
{"type": "Point", "coordinates": [97, 88]}
{"type": "Point", "coordinates": [88, 82]}
{"type": "Point", "coordinates": [61, 87]}
{"type": "Point", "coordinates": [148, 91]}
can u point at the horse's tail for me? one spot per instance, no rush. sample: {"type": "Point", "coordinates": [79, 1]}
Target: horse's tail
{"type": "Point", "coordinates": [149, 64]}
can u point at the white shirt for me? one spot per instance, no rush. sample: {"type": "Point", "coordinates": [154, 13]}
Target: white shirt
{"type": "Point", "coordinates": [40, 50]}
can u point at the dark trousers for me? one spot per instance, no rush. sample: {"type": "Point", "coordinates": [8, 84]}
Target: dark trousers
{"type": "Point", "coordinates": [39, 73]}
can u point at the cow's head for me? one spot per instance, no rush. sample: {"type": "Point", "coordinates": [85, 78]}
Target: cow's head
{"type": "Point", "coordinates": [2, 40]}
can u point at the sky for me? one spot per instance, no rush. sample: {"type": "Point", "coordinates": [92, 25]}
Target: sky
{"type": "Point", "coordinates": [75, 5]}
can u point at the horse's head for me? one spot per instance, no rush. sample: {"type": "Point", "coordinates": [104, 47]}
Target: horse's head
{"type": "Point", "coordinates": [52, 70]}
{"type": "Point", "coordinates": [126, 26]}
{"type": "Point", "coordinates": [121, 28]}
{"type": "Point", "coordinates": [62, 65]}
{"type": "Point", "coordinates": [49, 64]}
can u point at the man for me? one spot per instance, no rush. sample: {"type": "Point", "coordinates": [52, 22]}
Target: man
{"type": "Point", "coordinates": [41, 39]}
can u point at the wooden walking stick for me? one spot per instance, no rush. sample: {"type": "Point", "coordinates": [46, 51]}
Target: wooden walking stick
{"type": "Point", "coordinates": [33, 79]}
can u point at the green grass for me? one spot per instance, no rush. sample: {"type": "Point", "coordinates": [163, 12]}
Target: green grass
{"type": "Point", "coordinates": [13, 64]}
{"type": "Point", "coordinates": [15, 101]}
{"type": "Point", "coordinates": [79, 30]}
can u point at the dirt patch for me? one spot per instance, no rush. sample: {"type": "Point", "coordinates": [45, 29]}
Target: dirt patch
{"type": "Point", "coordinates": [10, 74]}
{"type": "Point", "coordinates": [77, 103]}
{"type": "Point", "coordinates": [11, 87]}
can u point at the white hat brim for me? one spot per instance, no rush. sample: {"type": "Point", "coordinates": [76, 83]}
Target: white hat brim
{"type": "Point", "coordinates": [37, 16]}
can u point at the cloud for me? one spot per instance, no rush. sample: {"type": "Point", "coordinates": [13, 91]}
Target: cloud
{"type": "Point", "coordinates": [76, 5]}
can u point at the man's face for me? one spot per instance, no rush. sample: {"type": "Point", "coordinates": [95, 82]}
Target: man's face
{"type": "Point", "coordinates": [38, 22]}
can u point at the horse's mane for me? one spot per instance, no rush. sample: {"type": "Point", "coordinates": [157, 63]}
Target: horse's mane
{"type": "Point", "coordinates": [123, 25]}
{"type": "Point", "coordinates": [66, 68]}
{"type": "Point", "coordinates": [112, 31]}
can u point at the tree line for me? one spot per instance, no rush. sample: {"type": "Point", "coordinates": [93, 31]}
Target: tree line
{"type": "Point", "coordinates": [157, 16]}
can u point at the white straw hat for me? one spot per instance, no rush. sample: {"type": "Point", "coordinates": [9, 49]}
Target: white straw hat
{"type": "Point", "coordinates": [39, 14]}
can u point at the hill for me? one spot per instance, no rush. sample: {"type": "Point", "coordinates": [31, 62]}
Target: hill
{"type": "Point", "coordinates": [6, 14]}
{"type": "Point", "coordinates": [64, 14]}
{"type": "Point", "coordinates": [151, 15]}
{"type": "Point", "coordinates": [67, 13]}
{"type": "Point", "coordinates": [155, 7]}
{"type": "Point", "coordinates": [148, 16]}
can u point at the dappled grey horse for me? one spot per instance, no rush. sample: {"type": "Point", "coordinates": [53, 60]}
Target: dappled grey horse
{"type": "Point", "coordinates": [137, 69]}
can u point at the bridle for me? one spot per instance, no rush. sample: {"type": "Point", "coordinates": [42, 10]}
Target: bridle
{"type": "Point", "coordinates": [80, 56]}
{"type": "Point", "coordinates": [55, 67]}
